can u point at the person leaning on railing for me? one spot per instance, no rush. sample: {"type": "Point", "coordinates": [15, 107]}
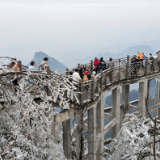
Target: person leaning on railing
{"type": "Point", "coordinates": [44, 65]}
{"type": "Point", "coordinates": [14, 68]}
{"type": "Point", "coordinates": [110, 63]}
{"type": "Point", "coordinates": [110, 66]}
{"type": "Point", "coordinates": [87, 75]}
{"type": "Point", "coordinates": [99, 67]}
{"type": "Point", "coordinates": [150, 58]}
{"type": "Point", "coordinates": [95, 63]}
{"type": "Point", "coordinates": [32, 66]}
{"type": "Point", "coordinates": [103, 64]}
{"type": "Point", "coordinates": [76, 77]}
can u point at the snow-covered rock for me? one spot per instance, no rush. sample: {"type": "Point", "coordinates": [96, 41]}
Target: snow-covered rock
{"type": "Point", "coordinates": [135, 140]}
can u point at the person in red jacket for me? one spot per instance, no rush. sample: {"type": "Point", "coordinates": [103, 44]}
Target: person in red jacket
{"type": "Point", "coordinates": [96, 61]}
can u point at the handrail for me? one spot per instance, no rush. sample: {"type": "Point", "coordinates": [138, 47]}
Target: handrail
{"type": "Point", "coordinates": [92, 89]}
{"type": "Point", "coordinates": [121, 71]}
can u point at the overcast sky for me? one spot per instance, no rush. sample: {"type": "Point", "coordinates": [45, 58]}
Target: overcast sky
{"type": "Point", "coordinates": [71, 27]}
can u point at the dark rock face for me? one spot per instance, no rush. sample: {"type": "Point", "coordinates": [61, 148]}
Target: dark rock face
{"type": "Point", "coordinates": [53, 63]}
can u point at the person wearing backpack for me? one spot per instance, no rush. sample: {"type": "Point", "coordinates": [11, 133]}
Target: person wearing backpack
{"type": "Point", "coordinates": [150, 58]}
{"type": "Point", "coordinates": [43, 66]}
{"type": "Point", "coordinates": [99, 67]}
{"type": "Point", "coordinates": [85, 77]}
{"type": "Point", "coordinates": [32, 66]}
{"type": "Point", "coordinates": [103, 64]}
{"type": "Point", "coordinates": [70, 76]}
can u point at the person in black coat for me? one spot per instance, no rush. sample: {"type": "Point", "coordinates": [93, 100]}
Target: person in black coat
{"type": "Point", "coordinates": [103, 64]}
{"type": "Point", "coordinates": [81, 71]}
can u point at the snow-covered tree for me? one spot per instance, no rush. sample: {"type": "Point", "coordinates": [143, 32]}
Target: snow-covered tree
{"type": "Point", "coordinates": [26, 112]}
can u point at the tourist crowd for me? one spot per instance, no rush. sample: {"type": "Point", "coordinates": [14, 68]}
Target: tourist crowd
{"type": "Point", "coordinates": [83, 73]}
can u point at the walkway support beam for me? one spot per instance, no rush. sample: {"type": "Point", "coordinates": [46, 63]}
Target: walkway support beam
{"type": "Point", "coordinates": [125, 99]}
{"type": "Point", "coordinates": [158, 95]}
{"type": "Point", "coordinates": [100, 127]}
{"type": "Point", "coordinates": [92, 133]}
{"type": "Point", "coordinates": [143, 93]}
{"type": "Point", "coordinates": [116, 110]}
{"type": "Point", "coordinates": [67, 139]}
{"type": "Point", "coordinates": [78, 133]}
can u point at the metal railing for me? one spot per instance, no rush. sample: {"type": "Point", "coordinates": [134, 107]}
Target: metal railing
{"type": "Point", "coordinates": [123, 69]}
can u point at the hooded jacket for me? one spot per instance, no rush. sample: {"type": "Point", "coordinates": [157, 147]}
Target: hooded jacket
{"type": "Point", "coordinates": [76, 78]}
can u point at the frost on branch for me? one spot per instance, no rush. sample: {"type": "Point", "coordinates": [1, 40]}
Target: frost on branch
{"type": "Point", "coordinates": [26, 113]}
{"type": "Point", "coordinates": [135, 140]}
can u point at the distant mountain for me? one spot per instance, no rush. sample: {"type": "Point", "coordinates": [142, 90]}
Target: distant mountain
{"type": "Point", "coordinates": [146, 49]}
{"type": "Point", "coordinates": [53, 63]}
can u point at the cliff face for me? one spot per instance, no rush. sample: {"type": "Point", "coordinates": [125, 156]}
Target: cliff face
{"type": "Point", "coordinates": [53, 63]}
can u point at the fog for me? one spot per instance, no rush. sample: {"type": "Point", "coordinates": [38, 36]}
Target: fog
{"type": "Point", "coordinates": [67, 29]}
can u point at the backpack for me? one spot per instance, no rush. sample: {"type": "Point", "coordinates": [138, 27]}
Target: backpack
{"type": "Point", "coordinates": [70, 79]}
{"type": "Point", "coordinates": [85, 78]}
{"type": "Point", "coordinates": [99, 65]}
{"type": "Point", "coordinates": [41, 67]}
{"type": "Point", "coordinates": [151, 58]}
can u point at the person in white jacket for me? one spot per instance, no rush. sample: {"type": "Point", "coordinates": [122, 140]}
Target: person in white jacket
{"type": "Point", "coordinates": [76, 77]}
{"type": "Point", "coordinates": [32, 66]}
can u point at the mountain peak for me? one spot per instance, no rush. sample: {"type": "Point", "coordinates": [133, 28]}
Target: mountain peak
{"type": "Point", "coordinates": [53, 63]}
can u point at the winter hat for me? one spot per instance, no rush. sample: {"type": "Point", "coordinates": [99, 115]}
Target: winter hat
{"type": "Point", "coordinates": [86, 72]}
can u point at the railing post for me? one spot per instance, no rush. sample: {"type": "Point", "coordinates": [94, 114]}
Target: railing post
{"type": "Point", "coordinates": [154, 64]}
{"type": "Point", "coordinates": [146, 67]}
{"type": "Point", "coordinates": [92, 133]}
{"type": "Point", "coordinates": [20, 66]}
{"type": "Point", "coordinates": [81, 90]}
{"type": "Point", "coordinates": [125, 100]}
{"type": "Point", "coordinates": [67, 139]}
{"type": "Point", "coordinates": [116, 110]}
{"type": "Point", "coordinates": [143, 93]}
{"type": "Point", "coordinates": [136, 69]}
{"type": "Point", "coordinates": [48, 70]}
{"type": "Point", "coordinates": [78, 65]}
{"type": "Point", "coordinates": [91, 63]}
{"type": "Point", "coordinates": [119, 76]}
{"type": "Point", "coordinates": [127, 67]}
{"type": "Point", "coordinates": [93, 88]}
{"type": "Point", "coordinates": [101, 83]}
{"type": "Point", "coordinates": [100, 127]}
{"type": "Point", "coordinates": [78, 118]}
{"type": "Point", "coordinates": [112, 75]}
{"type": "Point", "coordinates": [158, 95]}
{"type": "Point", "coordinates": [67, 71]}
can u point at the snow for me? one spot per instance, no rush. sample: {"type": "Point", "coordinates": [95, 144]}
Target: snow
{"type": "Point", "coordinates": [134, 140]}
{"type": "Point", "coordinates": [25, 131]}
